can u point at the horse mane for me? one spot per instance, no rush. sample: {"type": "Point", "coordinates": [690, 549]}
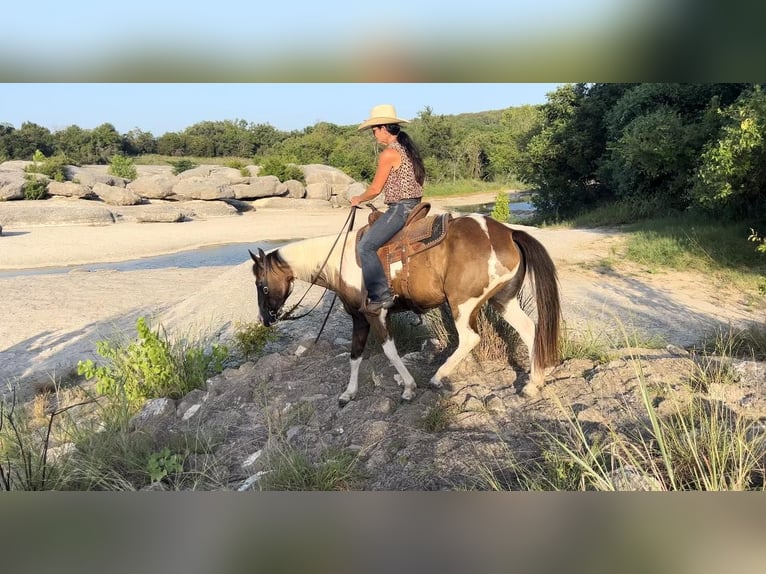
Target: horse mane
{"type": "Point", "coordinates": [305, 257]}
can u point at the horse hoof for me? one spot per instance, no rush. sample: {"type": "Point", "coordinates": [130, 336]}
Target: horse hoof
{"type": "Point", "coordinates": [436, 384]}
{"type": "Point", "coordinates": [343, 402]}
{"type": "Point", "coordinates": [529, 392]}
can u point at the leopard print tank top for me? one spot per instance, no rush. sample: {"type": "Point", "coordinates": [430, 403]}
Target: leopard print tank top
{"type": "Point", "coordinates": [401, 182]}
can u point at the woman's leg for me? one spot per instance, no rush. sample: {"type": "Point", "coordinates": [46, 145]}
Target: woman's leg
{"type": "Point", "coordinates": [377, 235]}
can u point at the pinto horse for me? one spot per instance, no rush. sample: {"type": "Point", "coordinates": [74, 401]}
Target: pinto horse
{"type": "Point", "coordinates": [479, 260]}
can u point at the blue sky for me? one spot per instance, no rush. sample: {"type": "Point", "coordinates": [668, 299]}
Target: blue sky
{"type": "Point", "coordinates": [161, 108]}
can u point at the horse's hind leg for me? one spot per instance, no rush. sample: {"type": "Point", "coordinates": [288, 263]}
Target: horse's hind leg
{"type": "Point", "coordinates": [525, 327]}
{"type": "Point", "coordinates": [380, 325]}
{"type": "Point", "coordinates": [467, 336]}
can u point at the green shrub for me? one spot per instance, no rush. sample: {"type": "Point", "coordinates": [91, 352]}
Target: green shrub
{"type": "Point", "coordinates": [152, 366]}
{"type": "Point", "coordinates": [502, 210]}
{"type": "Point", "coordinates": [53, 167]}
{"type": "Point", "coordinates": [182, 165]}
{"type": "Point", "coordinates": [122, 166]}
{"type": "Point", "coordinates": [235, 164]}
{"type": "Point", "coordinates": [283, 171]}
{"type": "Point", "coordinates": [35, 188]}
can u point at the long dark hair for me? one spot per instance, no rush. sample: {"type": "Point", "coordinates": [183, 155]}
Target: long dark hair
{"type": "Point", "coordinates": [412, 151]}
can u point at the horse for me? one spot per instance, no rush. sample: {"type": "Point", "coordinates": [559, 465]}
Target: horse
{"type": "Point", "coordinates": [479, 260]}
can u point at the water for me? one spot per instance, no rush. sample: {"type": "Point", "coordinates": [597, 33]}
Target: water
{"type": "Point", "coordinates": [520, 207]}
{"type": "Point", "coordinates": [217, 256]}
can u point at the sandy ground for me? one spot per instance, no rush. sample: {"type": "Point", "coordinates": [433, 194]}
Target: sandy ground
{"type": "Point", "coordinates": [49, 322]}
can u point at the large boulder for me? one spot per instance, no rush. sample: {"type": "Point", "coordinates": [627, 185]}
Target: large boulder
{"type": "Point", "coordinates": [90, 175]}
{"type": "Point", "coordinates": [11, 185]}
{"type": "Point", "coordinates": [291, 188]}
{"type": "Point", "coordinates": [230, 174]}
{"type": "Point", "coordinates": [69, 189]}
{"type": "Point", "coordinates": [207, 188]}
{"type": "Point", "coordinates": [15, 165]}
{"type": "Point", "coordinates": [257, 187]}
{"type": "Point", "coordinates": [157, 186]}
{"type": "Point", "coordinates": [29, 213]}
{"type": "Point", "coordinates": [116, 195]}
{"type": "Point", "coordinates": [318, 173]}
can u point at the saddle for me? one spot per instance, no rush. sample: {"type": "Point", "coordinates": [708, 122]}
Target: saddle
{"type": "Point", "coordinates": [420, 233]}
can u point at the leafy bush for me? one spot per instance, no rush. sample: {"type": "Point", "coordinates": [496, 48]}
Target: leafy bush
{"type": "Point", "coordinates": [281, 169]}
{"type": "Point", "coordinates": [122, 166]}
{"type": "Point", "coordinates": [235, 164]}
{"type": "Point", "coordinates": [182, 165]}
{"type": "Point", "coordinates": [152, 366]}
{"type": "Point", "coordinates": [53, 167]}
{"type": "Point", "coordinates": [502, 210]}
{"type": "Point", "coordinates": [35, 188]}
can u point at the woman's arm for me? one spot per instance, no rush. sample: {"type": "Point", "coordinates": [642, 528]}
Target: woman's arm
{"type": "Point", "coordinates": [389, 159]}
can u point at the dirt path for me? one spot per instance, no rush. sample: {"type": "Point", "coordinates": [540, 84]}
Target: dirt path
{"type": "Point", "coordinates": [49, 322]}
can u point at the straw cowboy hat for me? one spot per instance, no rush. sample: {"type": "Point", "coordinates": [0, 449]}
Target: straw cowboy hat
{"type": "Point", "coordinates": [380, 115]}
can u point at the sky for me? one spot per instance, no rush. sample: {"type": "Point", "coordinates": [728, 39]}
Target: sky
{"type": "Point", "coordinates": [163, 108]}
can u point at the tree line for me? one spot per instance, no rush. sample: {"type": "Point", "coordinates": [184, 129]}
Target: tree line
{"type": "Point", "coordinates": [654, 146]}
{"type": "Point", "coordinates": [465, 146]}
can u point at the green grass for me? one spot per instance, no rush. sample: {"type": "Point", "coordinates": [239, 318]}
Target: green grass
{"type": "Point", "coordinates": [464, 187]}
{"type": "Point", "coordinates": [686, 241]}
{"type": "Point", "coordinates": [292, 470]}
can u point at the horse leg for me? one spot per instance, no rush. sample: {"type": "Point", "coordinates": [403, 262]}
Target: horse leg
{"type": "Point", "coordinates": [406, 379]}
{"type": "Point", "coordinates": [358, 342]}
{"type": "Point", "coordinates": [525, 327]}
{"type": "Point", "coordinates": [468, 338]}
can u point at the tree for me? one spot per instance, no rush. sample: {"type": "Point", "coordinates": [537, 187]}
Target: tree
{"type": "Point", "coordinates": [732, 171]}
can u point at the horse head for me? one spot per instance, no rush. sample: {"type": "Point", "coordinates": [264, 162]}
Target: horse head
{"type": "Point", "coordinates": [273, 283]}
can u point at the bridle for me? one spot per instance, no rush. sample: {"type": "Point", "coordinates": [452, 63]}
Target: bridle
{"type": "Point", "coordinates": [288, 315]}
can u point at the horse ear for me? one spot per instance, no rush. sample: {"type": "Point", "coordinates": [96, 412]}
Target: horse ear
{"type": "Point", "coordinates": [256, 258]}
{"type": "Point", "coordinates": [261, 254]}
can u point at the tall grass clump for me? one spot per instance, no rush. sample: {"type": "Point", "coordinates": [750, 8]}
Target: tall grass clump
{"type": "Point", "coordinates": [692, 442]}
{"type": "Point", "coordinates": [251, 338]}
{"type": "Point", "coordinates": [292, 470]}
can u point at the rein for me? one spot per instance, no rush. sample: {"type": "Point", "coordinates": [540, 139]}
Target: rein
{"type": "Point", "coordinates": [288, 315]}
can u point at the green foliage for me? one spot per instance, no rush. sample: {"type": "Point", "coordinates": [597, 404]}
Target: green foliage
{"type": "Point", "coordinates": [151, 366]}
{"type": "Point", "coordinates": [164, 463]}
{"type": "Point", "coordinates": [731, 174]}
{"type": "Point", "coordinates": [182, 165]}
{"type": "Point", "coordinates": [54, 167]}
{"type": "Point", "coordinates": [234, 163]}
{"type": "Point", "coordinates": [283, 171]}
{"type": "Point", "coordinates": [502, 210]}
{"type": "Point", "coordinates": [251, 338]}
{"type": "Point", "coordinates": [35, 188]}
{"type": "Point", "coordinates": [122, 166]}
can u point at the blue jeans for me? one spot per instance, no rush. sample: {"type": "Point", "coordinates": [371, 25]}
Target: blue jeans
{"type": "Point", "coordinates": [375, 237]}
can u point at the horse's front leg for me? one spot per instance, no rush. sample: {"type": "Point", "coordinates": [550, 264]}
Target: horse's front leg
{"type": "Point", "coordinates": [358, 342]}
{"type": "Point", "coordinates": [380, 324]}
